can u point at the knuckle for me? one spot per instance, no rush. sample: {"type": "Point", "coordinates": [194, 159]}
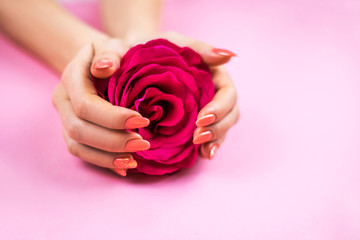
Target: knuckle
{"type": "Point", "coordinates": [65, 74]}
{"type": "Point", "coordinates": [121, 139]}
{"type": "Point", "coordinates": [111, 144]}
{"type": "Point", "coordinates": [74, 130]}
{"type": "Point", "coordinates": [220, 129]}
{"type": "Point", "coordinates": [54, 96]}
{"type": "Point", "coordinates": [237, 114]}
{"type": "Point", "coordinates": [80, 108]}
{"type": "Point", "coordinates": [234, 94]}
{"type": "Point", "coordinates": [114, 146]}
{"type": "Point", "coordinates": [215, 109]}
{"type": "Point", "coordinates": [119, 117]}
{"type": "Point", "coordinates": [216, 131]}
{"type": "Point", "coordinates": [73, 148]}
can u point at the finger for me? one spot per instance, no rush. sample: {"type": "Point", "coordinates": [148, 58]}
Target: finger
{"type": "Point", "coordinates": [217, 130]}
{"type": "Point", "coordinates": [210, 55]}
{"type": "Point", "coordinates": [95, 135]}
{"type": "Point", "coordinates": [209, 149]}
{"type": "Point", "coordinates": [87, 104]}
{"type": "Point", "coordinates": [98, 157]}
{"type": "Point", "coordinates": [121, 172]}
{"type": "Point", "coordinates": [223, 101]}
{"type": "Point", "coordinates": [106, 60]}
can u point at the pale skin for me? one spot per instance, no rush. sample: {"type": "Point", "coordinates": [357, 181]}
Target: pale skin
{"type": "Point", "coordinates": [94, 129]}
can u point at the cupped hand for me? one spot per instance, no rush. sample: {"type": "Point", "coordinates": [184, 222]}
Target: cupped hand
{"type": "Point", "coordinates": [94, 129]}
{"type": "Point", "coordinates": [219, 115]}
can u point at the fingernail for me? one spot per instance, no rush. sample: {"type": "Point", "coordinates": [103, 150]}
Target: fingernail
{"type": "Point", "coordinates": [206, 120]}
{"type": "Point", "coordinates": [213, 151]}
{"type": "Point", "coordinates": [125, 163]}
{"type": "Point", "coordinates": [223, 52]}
{"type": "Point", "coordinates": [103, 63]}
{"type": "Point", "coordinates": [121, 172]}
{"type": "Point", "coordinates": [137, 122]}
{"type": "Point", "coordinates": [203, 137]}
{"type": "Point", "coordinates": [137, 145]}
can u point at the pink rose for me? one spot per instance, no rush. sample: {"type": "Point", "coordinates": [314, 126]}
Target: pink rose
{"type": "Point", "coordinates": [168, 85]}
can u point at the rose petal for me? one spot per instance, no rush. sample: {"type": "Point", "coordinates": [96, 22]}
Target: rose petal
{"type": "Point", "coordinates": [154, 54]}
{"type": "Point", "coordinates": [164, 81]}
{"type": "Point", "coordinates": [101, 86]}
{"type": "Point", "coordinates": [169, 85]}
{"type": "Point", "coordinates": [168, 155]}
{"type": "Point", "coordinates": [183, 131]}
{"type": "Point", "coordinates": [163, 42]}
{"type": "Point", "coordinates": [190, 160]}
{"type": "Point", "coordinates": [151, 167]}
{"type": "Point", "coordinates": [174, 109]}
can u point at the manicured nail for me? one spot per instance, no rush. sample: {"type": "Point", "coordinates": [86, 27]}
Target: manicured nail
{"type": "Point", "coordinates": [223, 52]}
{"type": "Point", "coordinates": [203, 137]}
{"type": "Point", "coordinates": [206, 120]}
{"type": "Point", "coordinates": [125, 163]}
{"type": "Point", "coordinates": [121, 172]}
{"type": "Point", "coordinates": [213, 151]}
{"type": "Point", "coordinates": [137, 122]}
{"type": "Point", "coordinates": [137, 145]}
{"type": "Point", "coordinates": [103, 63]}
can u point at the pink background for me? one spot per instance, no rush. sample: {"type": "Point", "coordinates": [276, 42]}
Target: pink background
{"type": "Point", "coordinates": [288, 170]}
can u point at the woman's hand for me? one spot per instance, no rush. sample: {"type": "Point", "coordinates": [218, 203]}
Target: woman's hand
{"type": "Point", "coordinates": [94, 129]}
{"type": "Point", "coordinates": [218, 116]}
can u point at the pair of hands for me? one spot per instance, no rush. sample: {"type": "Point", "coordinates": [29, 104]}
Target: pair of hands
{"type": "Point", "coordinates": [95, 130]}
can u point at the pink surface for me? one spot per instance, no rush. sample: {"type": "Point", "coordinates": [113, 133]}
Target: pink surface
{"type": "Point", "coordinates": [288, 170]}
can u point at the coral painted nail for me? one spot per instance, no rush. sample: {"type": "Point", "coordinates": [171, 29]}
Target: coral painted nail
{"type": "Point", "coordinates": [137, 145]}
{"type": "Point", "coordinates": [103, 63]}
{"type": "Point", "coordinates": [223, 52]}
{"type": "Point", "coordinates": [121, 172]}
{"type": "Point", "coordinates": [213, 151]}
{"type": "Point", "coordinates": [206, 120]}
{"type": "Point", "coordinates": [125, 163]}
{"type": "Point", "coordinates": [137, 122]}
{"type": "Point", "coordinates": [203, 137]}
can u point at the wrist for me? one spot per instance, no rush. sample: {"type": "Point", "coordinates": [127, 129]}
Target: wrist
{"type": "Point", "coordinates": [89, 36]}
{"type": "Point", "coordinates": [131, 20]}
{"type": "Point", "coordinates": [134, 39]}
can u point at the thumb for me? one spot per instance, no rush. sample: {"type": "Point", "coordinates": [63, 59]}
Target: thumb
{"type": "Point", "coordinates": [107, 56]}
{"type": "Point", "coordinates": [209, 54]}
